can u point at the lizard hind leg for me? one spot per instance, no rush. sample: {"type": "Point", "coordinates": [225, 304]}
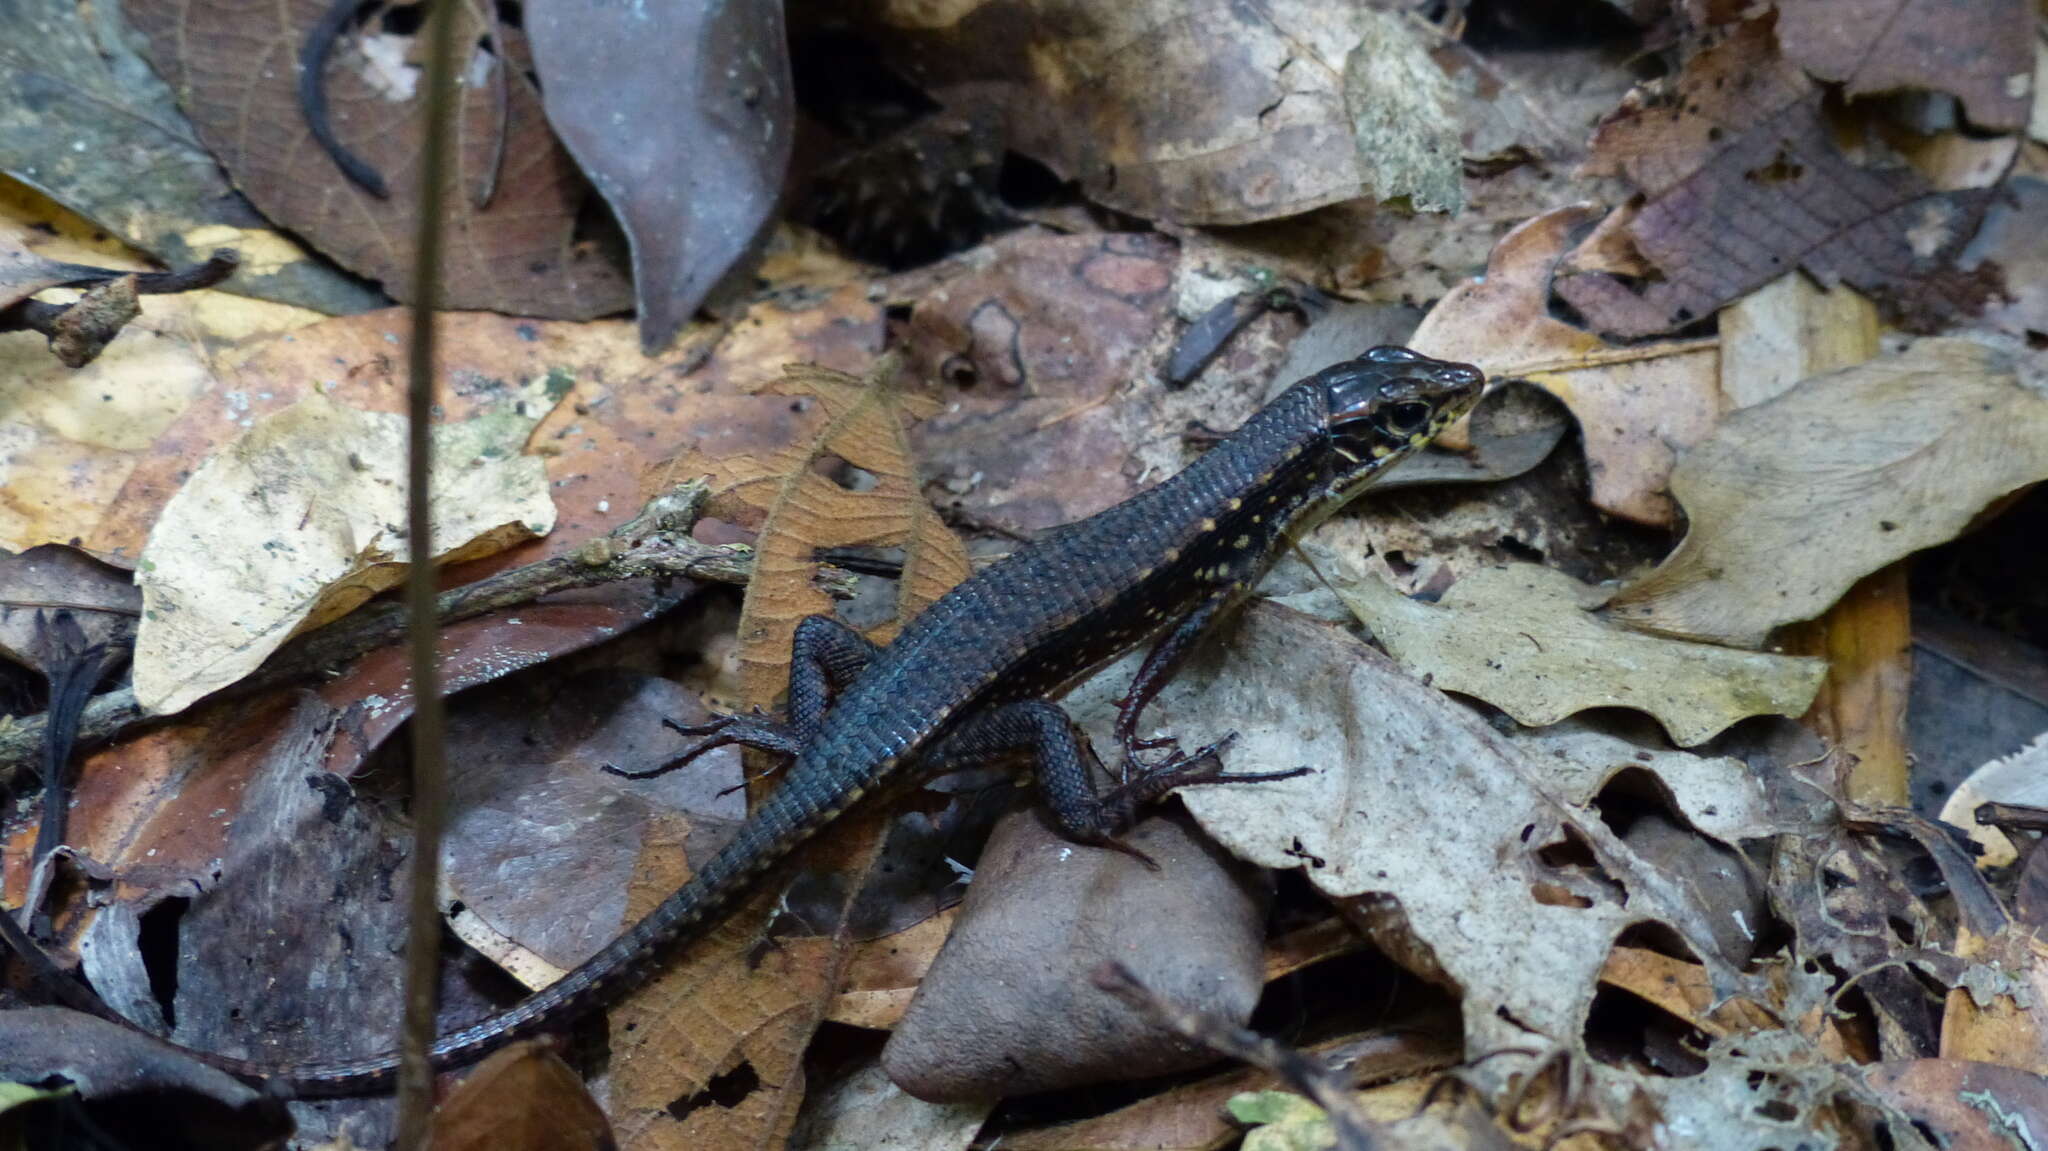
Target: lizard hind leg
{"type": "Point", "coordinates": [824, 656]}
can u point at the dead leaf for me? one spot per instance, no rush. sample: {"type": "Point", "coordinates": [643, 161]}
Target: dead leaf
{"type": "Point", "coordinates": [125, 1068]}
{"type": "Point", "coordinates": [1965, 1106]}
{"type": "Point", "coordinates": [1403, 113]}
{"type": "Point", "coordinates": [864, 1109]}
{"type": "Point", "coordinates": [23, 272]}
{"type": "Point", "coordinates": [1983, 53]}
{"type": "Point", "coordinates": [72, 436]}
{"type": "Point", "coordinates": [1522, 638]}
{"type": "Point", "coordinates": [300, 521]}
{"type": "Point", "coordinates": [233, 66]}
{"type": "Point", "coordinates": [2020, 778]}
{"type": "Point", "coordinates": [1091, 91]}
{"type": "Point", "coordinates": [1744, 181]}
{"type": "Point", "coordinates": [1792, 500]}
{"type": "Point", "coordinates": [681, 116]}
{"type": "Point", "coordinates": [865, 429]}
{"type": "Point", "coordinates": [521, 1098]}
{"type": "Point", "coordinates": [541, 840]}
{"type": "Point", "coordinates": [1637, 406]}
{"type": "Point", "coordinates": [683, 1075]}
{"type": "Point", "coordinates": [45, 580]}
{"type": "Point", "coordinates": [1038, 342]}
{"type": "Point", "coordinates": [1399, 765]}
{"type": "Point", "coordinates": [83, 119]}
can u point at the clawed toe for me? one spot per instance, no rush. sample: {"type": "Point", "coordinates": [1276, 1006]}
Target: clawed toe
{"type": "Point", "coordinates": [714, 724]}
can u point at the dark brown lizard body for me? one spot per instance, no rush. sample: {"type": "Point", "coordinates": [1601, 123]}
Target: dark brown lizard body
{"type": "Point", "coordinates": [965, 683]}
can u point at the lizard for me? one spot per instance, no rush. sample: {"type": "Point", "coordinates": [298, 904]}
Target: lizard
{"type": "Point", "coordinates": [969, 681]}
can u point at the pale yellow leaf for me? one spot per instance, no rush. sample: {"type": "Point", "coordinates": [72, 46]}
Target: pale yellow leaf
{"type": "Point", "coordinates": [1793, 500]}
{"type": "Point", "coordinates": [1520, 638]}
{"type": "Point", "coordinates": [302, 519]}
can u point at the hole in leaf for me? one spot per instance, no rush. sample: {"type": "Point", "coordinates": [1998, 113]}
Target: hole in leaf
{"type": "Point", "coordinates": [157, 940]}
{"type": "Point", "coordinates": [728, 1091]}
{"type": "Point", "coordinates": [1626, 1030]}
{"type": "Point", "coordinates": [399, 19]}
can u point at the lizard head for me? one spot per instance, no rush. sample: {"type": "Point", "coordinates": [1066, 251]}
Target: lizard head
{"type": "Point", "coordinates": [1389, 402]}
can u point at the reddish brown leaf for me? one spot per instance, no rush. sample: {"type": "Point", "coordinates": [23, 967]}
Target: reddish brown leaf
{"type": "Point", "coordinates": [1745, 182]}
{"type": "Point", "coordinates": [1982, 51]}
{"type": "Point", "coordinates": [234, 65]}
{"type": "Point", "coordinates": [1965, 1106]}
{"type": "Point", "coordinates": [680, 114]}
{"type": "Point", "coordinates": [523, 1098]}
{"type": "Point", "coordinates": [710, 1052]}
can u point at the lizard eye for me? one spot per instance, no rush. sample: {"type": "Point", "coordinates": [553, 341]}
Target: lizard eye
{"type": "Point", "coordinates": [1405, 418]}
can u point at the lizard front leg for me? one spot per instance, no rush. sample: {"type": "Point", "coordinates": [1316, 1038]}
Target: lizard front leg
{"type": "Point", "coordinates": [1160, 664]}
{"type": "Point", "coordinates": [824, 656]}
{"type": "Point", "coordinates": [1067, 769]}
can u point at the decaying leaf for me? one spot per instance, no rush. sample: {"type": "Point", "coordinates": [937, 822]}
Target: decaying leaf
{"type": "Point", "coordinates": [1637, 406]}
{"type": "Point", "coordinates": [302, 519]}
{"type": "Point", "coordinates": [2020, 778]}
{"type": "Point", "coordinates": [1522, 638]}
{"type": "Point", "coordinates": [234, 67]}
{"type": "Point", "coordinates": [864, 1109]}
{"type": "Point", "coordinates": [1092, 90]}
{"type": "Point", "coordinates": [1744, 181]}
{"type": "Point", "coordinates": [1414, 798]}
{"type": "Point", "coordinates": [1982, 51]}
{"type": "Point", "coordinates": [1791, 501]}
{"type": "Point", "coordinates": [51, 578]}
{"type": "Point", "coordinates": [84, 119]}
{"type": "Point", "coordinates": [522, 1098]}
{"type": "Point", "coordinates": [72, 436]}
{"type": "Point", "coordinates": [681, 116]}
{"type": "Point", "coordinates": [682, 1072]}
{"type": "Point", "coordinates": [1404, 115]}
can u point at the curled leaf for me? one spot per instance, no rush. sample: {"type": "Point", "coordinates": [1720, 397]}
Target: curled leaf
{"type": "Point", "coordinates": [1793, 500]}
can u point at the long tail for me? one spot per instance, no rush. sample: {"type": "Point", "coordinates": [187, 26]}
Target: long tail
{"type": "Point", "coordinates": [784, 821]}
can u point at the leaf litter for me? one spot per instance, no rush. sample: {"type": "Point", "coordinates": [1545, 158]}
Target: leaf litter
{"type": "Point", "coordinates": [1650, 946]}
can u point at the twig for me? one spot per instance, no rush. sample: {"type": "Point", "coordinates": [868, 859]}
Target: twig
{"type": "Point", "coordinates": [429, 726]}
{"type": "Point", "coordinates": [657, 543]}
{"type": "Point", "coordinates": [1356, 1131]}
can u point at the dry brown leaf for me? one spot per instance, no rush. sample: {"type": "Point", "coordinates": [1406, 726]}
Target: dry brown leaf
{"type": "Point", "coordinates": [300, 521]}
{"type": "Point", "coordinates": [234, 67]}
{"type": "Point", "coordinates": [883, 973]}
{"type": "Point", "coordinates": [1637, 407]}
{"type": "Point", "coordinates": [522, 1098]}
{"type": "Point", "coordinates": [1791, 501]}
{"type": "Point", "coordinates": [1746, 176]}
{"type": "Point", "coordinates": [1523, 639]}
{"type": "Point", "coordinates": [1982, 52]}
{"type": "Point", "coordinates": [1964, 1105]}
{"type": "Point", "coordinates": [710, 1052]}
{"type": "Point", "coordinates": [84, 120]}
{"type": "Point", "coordinates": [72, 437]}
{"type": "Point", "coordinates": [1416, 798]}
{"type": "Point", "coordinates": [1094, 91]}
